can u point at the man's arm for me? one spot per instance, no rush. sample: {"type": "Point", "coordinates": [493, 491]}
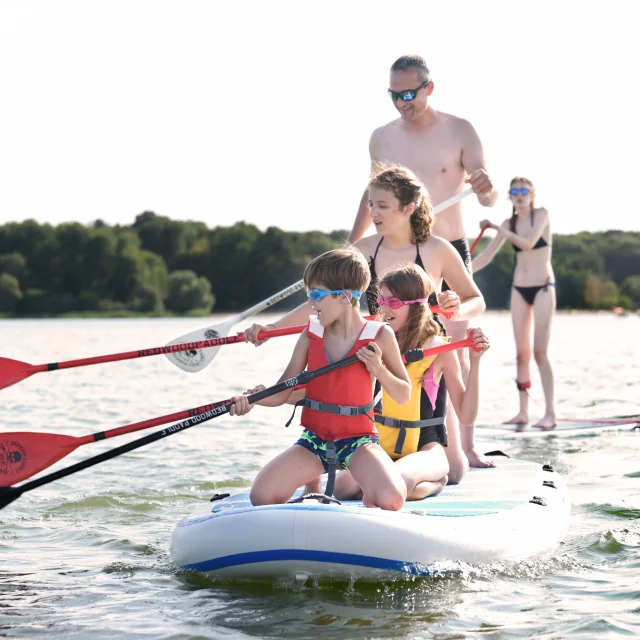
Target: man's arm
{"type": "Point", "coordinates": [363, 219]}
{"type": "Point", "coordinates": [473, 163]}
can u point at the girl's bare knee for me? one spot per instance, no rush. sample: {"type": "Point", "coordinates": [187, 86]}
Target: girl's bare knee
{"type": "Point", "coordinates": [540, 356]}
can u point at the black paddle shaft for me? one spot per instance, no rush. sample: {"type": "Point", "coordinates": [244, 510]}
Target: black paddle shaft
{"type": "Point", "coordinates": [9, 494]}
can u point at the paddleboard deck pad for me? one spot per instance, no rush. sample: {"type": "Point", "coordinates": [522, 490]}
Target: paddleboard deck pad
{"type": "Point", "coordinates": [517, 510]}
{"type": "Point", "coordinates": [563, 429]}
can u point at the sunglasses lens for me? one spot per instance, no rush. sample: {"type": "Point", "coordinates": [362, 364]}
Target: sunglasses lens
{"type": "Point", "coordinates": [407, 96]}
{"type": "Point", "coordinates": [524, 191]}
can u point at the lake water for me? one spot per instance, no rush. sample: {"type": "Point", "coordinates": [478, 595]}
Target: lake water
{"type": "Point", "coordinates": [88, 556]}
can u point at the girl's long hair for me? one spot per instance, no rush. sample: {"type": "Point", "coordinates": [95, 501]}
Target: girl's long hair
{"type": "Point", "coordinates": [514, 215]}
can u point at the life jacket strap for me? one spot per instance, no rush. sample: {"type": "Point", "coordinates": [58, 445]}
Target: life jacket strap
{"type": "Point", "coordinates": [403, 425]}
{"type": "Point", "coordinates": [407, 424]}
{"type": "Point", "coordinates": [337, 409]}
{"type": "Point", "coordinates": [331, 469]}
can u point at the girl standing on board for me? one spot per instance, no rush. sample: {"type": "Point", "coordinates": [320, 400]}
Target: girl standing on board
{"type": "Point", "coordinates": [533, 296]}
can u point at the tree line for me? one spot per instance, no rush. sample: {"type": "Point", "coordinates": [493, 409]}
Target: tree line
{"type": "Point", "coordinates": [158, 265]}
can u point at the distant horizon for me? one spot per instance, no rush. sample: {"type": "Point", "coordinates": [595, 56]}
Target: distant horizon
{"type": "Point", "coordinates": [264, 228]}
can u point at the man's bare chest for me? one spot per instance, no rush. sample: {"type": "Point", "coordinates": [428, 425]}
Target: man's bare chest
{"type": "Point", "coordinates": [434, 158]}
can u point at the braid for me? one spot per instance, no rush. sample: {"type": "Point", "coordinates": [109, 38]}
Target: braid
{"type": "Point", "coordinates": [421, 220]}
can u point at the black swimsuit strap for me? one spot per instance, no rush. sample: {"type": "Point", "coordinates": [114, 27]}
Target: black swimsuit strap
{"type": "Point", "coordinates": [375, 253]}
{"type": "Point", "coordinates": [418, 258]}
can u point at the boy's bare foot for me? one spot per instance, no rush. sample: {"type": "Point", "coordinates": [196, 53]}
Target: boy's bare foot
{"type": "Point", "coordinates": [478, 460]}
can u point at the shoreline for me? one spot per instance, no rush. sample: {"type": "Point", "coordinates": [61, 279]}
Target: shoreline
{"type": "Point", "coordinates": [115, 315]}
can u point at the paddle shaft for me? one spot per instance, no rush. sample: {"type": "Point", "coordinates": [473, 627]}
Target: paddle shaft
{"type": "Point", "coordinates": [154, 351]}
{"type": "Point", "coordinates": [477, 240]}
{"type": "Point", "coordinates": [8, 495]}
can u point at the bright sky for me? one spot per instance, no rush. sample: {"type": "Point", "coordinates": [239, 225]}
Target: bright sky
{"type": "Point", "coordinates": [262, 110]}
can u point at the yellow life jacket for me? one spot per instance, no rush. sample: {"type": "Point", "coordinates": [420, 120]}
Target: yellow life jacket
{"type": "Point", "coordinates": [399, 424]}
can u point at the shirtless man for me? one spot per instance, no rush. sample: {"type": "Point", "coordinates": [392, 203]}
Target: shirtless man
{"type": "Point", "coordinates": [445, 152]}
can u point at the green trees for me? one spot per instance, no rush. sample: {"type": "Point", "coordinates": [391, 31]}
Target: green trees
{"type": "Point", "coordinates": [187, 291]}
{"type": "Point", "coordinates": [10, 294]}
{"type": "Point", "coordinates": [159, 265]}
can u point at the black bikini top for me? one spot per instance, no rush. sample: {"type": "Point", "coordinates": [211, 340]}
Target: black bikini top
{"type": "Point", "coordinates": [538, 245]}
{"type": "Point", "coordinates": [372, 291]}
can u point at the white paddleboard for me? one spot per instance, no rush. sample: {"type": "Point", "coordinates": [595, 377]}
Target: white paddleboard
{"type": "Point", "coordinates": [561, 430]}
{"type": "Point", "coordinates": [514, 511]}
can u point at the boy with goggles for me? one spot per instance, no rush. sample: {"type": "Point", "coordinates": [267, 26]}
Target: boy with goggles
{"type": "Point", "coordinates": [337, 415]}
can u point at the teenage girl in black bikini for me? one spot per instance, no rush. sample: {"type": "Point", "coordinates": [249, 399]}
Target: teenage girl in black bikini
{"type": "Point", "coordinates": [533, 297]}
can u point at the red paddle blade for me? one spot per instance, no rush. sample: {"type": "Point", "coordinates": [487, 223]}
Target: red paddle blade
{"type": "Point", "coordinates": [23, 454]}
{"type": "Point", "coordinates": [12, 371]}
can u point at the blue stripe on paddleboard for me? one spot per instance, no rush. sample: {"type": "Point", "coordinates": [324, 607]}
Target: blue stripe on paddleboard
{"type": "Point", "coordinates": [278, 555]}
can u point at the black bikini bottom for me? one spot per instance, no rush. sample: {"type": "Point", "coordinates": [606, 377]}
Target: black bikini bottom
{"type": "Point", "coordinates": [529, 293]}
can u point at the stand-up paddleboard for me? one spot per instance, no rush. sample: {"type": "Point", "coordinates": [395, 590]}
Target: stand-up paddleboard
{"type": "Point", "coordinates": [514, 511]}
{"type": "Point", "coordinates": [564, 429]}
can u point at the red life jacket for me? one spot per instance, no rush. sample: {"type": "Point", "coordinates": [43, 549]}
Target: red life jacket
{"type": "Point", "coordinates": [347, 393]}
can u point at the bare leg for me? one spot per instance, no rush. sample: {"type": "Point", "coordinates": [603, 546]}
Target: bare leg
{"type": "Point", "coordinates": [425, 471]}
{"type": "Point", "coordinates": [279, 478]}
{"type": "Point", "coordinates": [521, 316]}
{"type": "Point", "coordinates": [544, 306]}
{"type": "Point", "coordinates": [381, 482]}
{"type": "Point", "coordinates": [458, 462]}
{"type": "Point", "coordinates": [346, 487]}
{"type": "Point", "coordinates": [458, 331]}
{"type": "Point", "coordinates": [314, 486]}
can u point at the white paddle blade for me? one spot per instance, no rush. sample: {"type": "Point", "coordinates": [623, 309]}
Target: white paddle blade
{"type": "Point", "coordinates": [195, 360]}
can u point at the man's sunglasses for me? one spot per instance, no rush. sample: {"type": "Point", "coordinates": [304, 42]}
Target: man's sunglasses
{"type": "Point", "coordinates": [408, 95]}
{"type": "Point", "coordinates": [523, 190]}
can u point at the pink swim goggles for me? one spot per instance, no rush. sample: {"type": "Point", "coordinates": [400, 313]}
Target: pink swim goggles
{"type": "Point", "coordinates": [396, 303]}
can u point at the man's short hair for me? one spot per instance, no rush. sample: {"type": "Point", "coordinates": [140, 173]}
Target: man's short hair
{"type": "Point", "coordinates": [404, 63]}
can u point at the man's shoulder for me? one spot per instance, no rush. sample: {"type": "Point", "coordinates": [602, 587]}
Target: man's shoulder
{"type": "Point", "coordinates": [385, 129]}
{"type": "Point", "coordinates": [456, 123]}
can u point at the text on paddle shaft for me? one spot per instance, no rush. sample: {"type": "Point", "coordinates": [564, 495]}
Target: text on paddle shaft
{"type": "Point", "coordinates": [187, 346]}
{"type": "Point", "coordinates": [198, 411]}
{"type": "Point", "coordinates": [285, 294]}
{"type": "Point", "coordinates": [193, 421]}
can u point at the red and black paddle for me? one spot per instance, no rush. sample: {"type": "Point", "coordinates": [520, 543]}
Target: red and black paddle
{"type": "Point", "coordinates": [23, 454]}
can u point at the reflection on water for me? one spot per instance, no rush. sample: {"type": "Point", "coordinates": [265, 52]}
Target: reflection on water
{"type": "Point", "coordinates": [91, 552]}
